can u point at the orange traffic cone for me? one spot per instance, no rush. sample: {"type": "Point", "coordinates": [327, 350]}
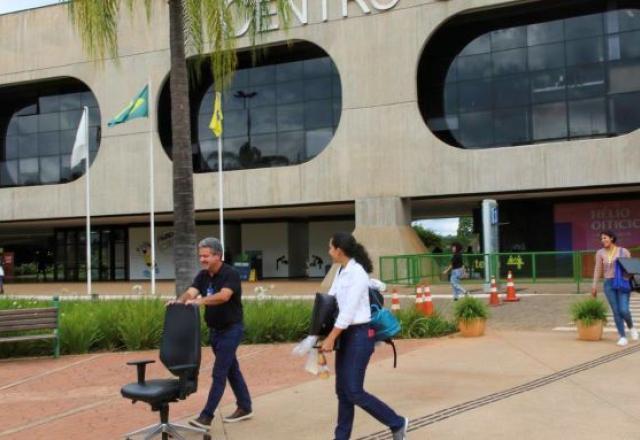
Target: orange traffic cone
{"type": "Point", "coordinates": [494, 299]}
{"type": "Point", "coordinates": [395, 301]}
{"type": "Point", "coordinates": [511, 289]}
{"type": "Point", "coordinates": [427, 305]}
{"type": "Point", "coordinates": [419, 299]}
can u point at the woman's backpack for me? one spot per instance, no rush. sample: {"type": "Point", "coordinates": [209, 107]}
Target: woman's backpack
{"type": "Point", "coordinates": [383, 322]}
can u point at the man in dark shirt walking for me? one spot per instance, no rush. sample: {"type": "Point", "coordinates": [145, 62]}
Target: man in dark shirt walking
{"type": "Point", "coordinates": [217, 287]}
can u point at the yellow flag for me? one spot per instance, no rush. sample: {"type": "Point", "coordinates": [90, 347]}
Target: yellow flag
{"type": "Point", "coordinates": [216, 119]}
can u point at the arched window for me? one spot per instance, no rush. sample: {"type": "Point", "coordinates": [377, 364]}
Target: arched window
{"type": "Point", "coordinates": [533, 73]}
{"type": "Point", "coordinates": [282, 110]}
{"type": "Point", "coordinates": [38, 125]}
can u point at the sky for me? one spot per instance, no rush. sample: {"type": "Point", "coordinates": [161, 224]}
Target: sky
{"type": "Point", "coordinates": [441, 226]}
{"type": "Point", "coordinates": [17, 5]}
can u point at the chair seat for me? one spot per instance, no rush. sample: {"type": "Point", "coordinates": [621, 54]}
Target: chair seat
{"type": "Point", "coordinates": [153, 390]}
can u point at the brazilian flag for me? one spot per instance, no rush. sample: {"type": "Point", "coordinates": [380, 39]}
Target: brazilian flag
{"type": "Point", "coordinates": [137, 108]}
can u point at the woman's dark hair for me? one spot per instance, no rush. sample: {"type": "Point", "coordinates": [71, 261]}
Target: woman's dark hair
{"type": "Point", "coordinates": [609, 234]}
{"type": "Point", "coordinates": [457, 247]}
{"type": "Point", "coordinates": [352, 249]}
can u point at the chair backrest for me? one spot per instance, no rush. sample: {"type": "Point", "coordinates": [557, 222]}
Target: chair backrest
{"type": "Point", "coordinates": [180, 344]}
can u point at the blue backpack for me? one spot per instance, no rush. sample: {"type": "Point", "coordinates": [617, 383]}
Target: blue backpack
{"type": "Point", "coordinates": [383, 322]}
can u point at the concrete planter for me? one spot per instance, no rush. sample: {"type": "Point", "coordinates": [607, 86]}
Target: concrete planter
{"type": "Point", "coordinates": [472, 328]}
{"type": "Point", "coordinates": [591, 333]}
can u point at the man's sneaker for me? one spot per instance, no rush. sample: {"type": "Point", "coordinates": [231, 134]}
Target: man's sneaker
{"type": "Point", "coordinates": [401, 433]}
{"type": "Point", "coordinates": [622, 342]}
{"type": "Point", "coordinates": [238, 415]}
{"type": "Point", "coordinates": [202, 421]}
{"type": "Point", "coordinates": [634, 334]}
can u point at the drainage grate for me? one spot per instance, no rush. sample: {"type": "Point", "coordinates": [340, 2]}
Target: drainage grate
{"type": "Point", "coordinates": [444, 414]}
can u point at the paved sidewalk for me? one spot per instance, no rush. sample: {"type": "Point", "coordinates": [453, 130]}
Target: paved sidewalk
{"type": "Point", "coordinates": [77, 397]}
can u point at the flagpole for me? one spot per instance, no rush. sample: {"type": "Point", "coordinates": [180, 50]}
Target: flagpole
{"type": "Point", "coordinates": [87, 198]}
{"type": "Point", "coordinates": [152, 209]}
{"type": "Point", "coordinates": [220, 191]}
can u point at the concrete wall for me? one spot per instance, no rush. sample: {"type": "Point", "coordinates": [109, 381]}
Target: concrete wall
{"type": "Point", "coordinates": [319, 235]}
{"type": "Point", "coordinates": [273, 240]}
{"type": "Point", "coordinates": [382, 147]}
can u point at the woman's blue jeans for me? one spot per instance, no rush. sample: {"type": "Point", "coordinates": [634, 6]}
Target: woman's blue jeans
{"type": "Point", "coordinates": [352, 358]}
{"type": "Point", "coordinates": [455, 282]}
{"type": "Point", "coordinates": [619, 302]}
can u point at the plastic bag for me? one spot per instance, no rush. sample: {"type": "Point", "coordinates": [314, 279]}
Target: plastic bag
{"type": "Point", "coordinates": [312, 362]}
{"type": "Point", "coordinates": [323, 368]}
{"type": "Point", "coordinates": [304, 346]}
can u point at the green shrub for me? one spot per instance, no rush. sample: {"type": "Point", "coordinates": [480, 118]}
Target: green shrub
{"type": "Point", "coordinates": [276, 321]}
{"type": "Point", "coordinates": [141, 324]}
{"type": "Point", "coordinates": [470, 308]}
{"type": "Point", "coordinates": [78, 330]}
{"type": "Point", "coordinates": [589, 311]}
{"type": "Point", "coordinates": [416, 325]}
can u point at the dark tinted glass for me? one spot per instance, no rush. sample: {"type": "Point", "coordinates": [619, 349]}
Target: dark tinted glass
{"type": "Point", "coordinates": [40, 136]}
{"type": "Point", "coordinates": [558, 78]}
{"type": "Point", "coordinates": [274, 115]}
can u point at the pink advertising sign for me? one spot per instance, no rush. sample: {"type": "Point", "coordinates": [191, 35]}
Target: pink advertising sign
{"type": "Point", "coordinates": [587, 220]}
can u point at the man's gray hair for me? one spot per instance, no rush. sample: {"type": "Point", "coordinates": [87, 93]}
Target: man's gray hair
{"type": "Point", "coordinates": [211, 243]}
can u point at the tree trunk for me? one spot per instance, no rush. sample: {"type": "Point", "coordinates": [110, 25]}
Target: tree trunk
{"type": "Point", "coordinates": [184, 244]}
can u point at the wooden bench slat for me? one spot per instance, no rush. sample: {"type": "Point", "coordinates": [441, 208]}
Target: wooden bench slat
{"type": "Point", "coordinates": [13, 328]}
{"type": "Point", "coordinates": [18, 311]}
{"type": "Point", "coordinates": [47, 320]}
{"type": "Point", "coordinates": [27, 338]}
{"type": "Point", "coordinates": [28, 317]}
{"type": "Point", "coordinates": [27, 312]}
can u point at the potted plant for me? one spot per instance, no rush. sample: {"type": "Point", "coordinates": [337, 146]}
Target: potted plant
{"type": "Point", "coordinates": [471, 314]}
{"type": "Point", "coordinates": [590, 315]}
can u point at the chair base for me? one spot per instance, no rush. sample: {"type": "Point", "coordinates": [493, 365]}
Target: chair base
{"type": "Point", "coordinates": [168, 431]}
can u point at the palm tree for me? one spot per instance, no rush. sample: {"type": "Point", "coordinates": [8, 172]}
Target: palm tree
{"type": "Point", "coordinates": [195, 25]}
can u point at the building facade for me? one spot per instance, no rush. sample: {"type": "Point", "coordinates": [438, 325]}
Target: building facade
{"type": "Point", "coordinates": [364, 115]}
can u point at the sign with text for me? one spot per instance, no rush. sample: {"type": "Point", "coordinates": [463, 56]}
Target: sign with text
{"type": "Point", "coordinates": [586, 220]}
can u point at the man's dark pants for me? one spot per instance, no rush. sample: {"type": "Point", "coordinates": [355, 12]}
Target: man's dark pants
{"type": "Point", "coordinates": [225, 345]}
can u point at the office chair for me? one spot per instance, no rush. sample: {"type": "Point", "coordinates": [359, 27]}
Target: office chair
{"type": "Point", "coordinates": [180, 354]}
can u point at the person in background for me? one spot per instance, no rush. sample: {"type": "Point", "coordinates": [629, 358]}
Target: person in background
{"type": "Point", "coordinates": [217, 287]}
{"type": "Point", "coordinates": [456, 267]}
{"type": "Point", "coordinates": [1, 278]}
{"type": "Point", "coordinates": [356, 339]}
{"type": "Point", "coordinates": [618, 299]}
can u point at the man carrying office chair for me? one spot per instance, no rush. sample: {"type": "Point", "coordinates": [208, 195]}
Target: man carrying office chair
{"type": "Point", "coordinates": [217, 287]}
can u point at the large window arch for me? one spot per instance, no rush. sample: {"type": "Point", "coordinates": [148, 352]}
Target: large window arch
{"type": "Point", "coordinates": [38, 125]}
{"type": "Point", "coordinates": [281, 110]}
{"type": "Point", "coordinates": [533, 73]}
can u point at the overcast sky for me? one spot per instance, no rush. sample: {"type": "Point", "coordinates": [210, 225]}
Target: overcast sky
{"type": "Point", "coordinates": [17, 5]}
{"type": "Point", "coordinates": [442, 226]}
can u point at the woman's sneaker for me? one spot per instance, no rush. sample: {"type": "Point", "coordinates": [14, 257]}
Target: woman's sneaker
{"type": "Point", "coordinates": [634, 334]}
{"type": "Point", "coordinates": [401, 433]}
{"type": "Point", "coordinates": [238, 415]}
{"type": "Point", "coordinates": [622, 342]}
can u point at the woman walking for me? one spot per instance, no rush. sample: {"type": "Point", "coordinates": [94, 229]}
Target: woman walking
{"type": "Point", "coordinates": [457, 271]}
{"type": "Point", "coordinates": [356, 339]}
{"type": "Point", "coordinates": [618, 298]}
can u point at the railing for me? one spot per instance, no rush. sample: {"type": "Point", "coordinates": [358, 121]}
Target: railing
{"type": "Point", "coordinates": [528, 267]}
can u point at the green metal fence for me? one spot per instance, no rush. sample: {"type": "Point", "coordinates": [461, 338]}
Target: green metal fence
{"type": "Point", "coordinates": [528, 267]}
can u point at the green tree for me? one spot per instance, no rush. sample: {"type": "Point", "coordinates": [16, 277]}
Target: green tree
{"type": "Point", "coordinates": [465, 231]}
{"type": "Point", "coordinates": [198, 25]}
{"type": "Point", "coordinates": [428, 237]}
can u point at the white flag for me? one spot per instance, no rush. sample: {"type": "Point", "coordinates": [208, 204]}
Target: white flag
{"type": "Point", "coordinates": [80, 146]}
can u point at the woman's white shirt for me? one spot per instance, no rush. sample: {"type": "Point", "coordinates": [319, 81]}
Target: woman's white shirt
{"type": "Point", "coordinates": [351, 289]}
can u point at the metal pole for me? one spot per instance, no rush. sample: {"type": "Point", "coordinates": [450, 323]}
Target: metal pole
{"type": "Point", "coordinates": [87, 200]}
{"type": "Point", "coordinates": [152, 210]}
{"type": "Point", "coordinates": [220, 191]}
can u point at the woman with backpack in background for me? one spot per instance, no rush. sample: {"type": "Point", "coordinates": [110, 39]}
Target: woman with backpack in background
{"type": "Point", "coordinates": [356, 339]}
{"type": "Point", "coordinates": [456, 267]}
{"type": "Point", "coordinates": [618, 298]}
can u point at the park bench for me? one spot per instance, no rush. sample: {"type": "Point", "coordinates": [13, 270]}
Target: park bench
{"type": "Point", "coordinates": [23, 320]}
